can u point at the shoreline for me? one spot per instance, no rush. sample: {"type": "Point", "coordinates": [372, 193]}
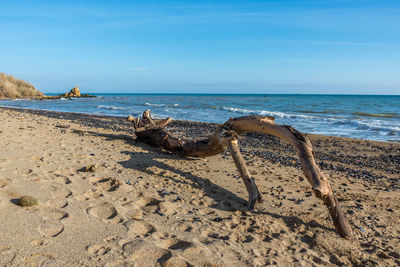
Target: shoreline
{"type": "Point", "coordinates": [142, 205]}
{"type": "Point", "coordinates": [70, 114]}
{"type": "Point", "coordinates": [320, 115]}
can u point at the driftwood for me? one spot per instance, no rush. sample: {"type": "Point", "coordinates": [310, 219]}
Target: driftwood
{"type": "Point", "coordinates": [226, 137]}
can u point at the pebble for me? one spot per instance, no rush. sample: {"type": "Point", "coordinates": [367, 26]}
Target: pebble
{"type": "Point", "coordinates": [90, 168]}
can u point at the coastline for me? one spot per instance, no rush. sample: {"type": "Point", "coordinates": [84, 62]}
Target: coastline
{"type": "Point", "coordinates": [141, 199]}
{"type": "Point", "coordinates": [379, 119]}
{"type": "Point", "coordinates": [71, 115]}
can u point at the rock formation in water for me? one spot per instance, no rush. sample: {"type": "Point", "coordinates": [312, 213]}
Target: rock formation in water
{"type": "Point", "coordinates": [73, 93]}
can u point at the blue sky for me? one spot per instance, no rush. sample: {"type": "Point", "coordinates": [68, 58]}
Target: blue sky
{"type": "Point", "coordinates": [338, 46]}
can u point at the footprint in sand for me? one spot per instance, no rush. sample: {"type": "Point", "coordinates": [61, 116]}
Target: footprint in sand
{"type": "Point", "coordinates": [57, 202]}
{"type": "Point", "coordinates": [108, 184]}
{"type": "Point", "coordinates": [61, 192]}
{"type": "Point", "coordinates": [39, 242]}
{"type": "Point", "coordinates": [98, 250]}
{"type": "Point", "coordinates": [40, 259]}
{"type": "Point", "coordinates": [208, 256]}
{"type": "Point", "coordinates": [177, 261]}
{"type": "Point", "coordinates": [148, 201]}
{"type": "Point", "coordinates": [119, 263]}
{"type": "Point", "coordinates": [170, 208]}
{"type": "Point", "coordinates": [148, 204]}
{"type": "Point", "coordinates": [145, 254]}
{"type": "Point", "coordinates": [51, 228]}
{"type": "Point", "coordinates": [89, 195]}
{"type": "Point", "coordinates": [105, 211]}
{"type": "Point", "coordinates": [62, 180]}
{"type": "Point", "coordinates": [150, 256]}
{"type": "Point", "coordinates": [135, 213]}
{"type": "Point", "coordinates": [139, 228]}
{"type": "Point", "coordinates": [175, 244]}
{"type": "Point", "coordinates": [54, 214]}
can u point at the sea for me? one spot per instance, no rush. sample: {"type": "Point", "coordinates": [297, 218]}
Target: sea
{"type": "Point", "coordinates": [371, 117]}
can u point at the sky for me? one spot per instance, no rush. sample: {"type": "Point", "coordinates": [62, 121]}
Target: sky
{"type": "Point", "coordinates": [301, 47]}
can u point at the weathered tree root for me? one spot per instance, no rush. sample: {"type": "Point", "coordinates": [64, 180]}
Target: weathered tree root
{"type": "Point", "coordinates": [226, 137]}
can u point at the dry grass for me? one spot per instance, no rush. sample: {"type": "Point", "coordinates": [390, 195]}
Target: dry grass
{"type": "Point", "coordinates": [11, 87]}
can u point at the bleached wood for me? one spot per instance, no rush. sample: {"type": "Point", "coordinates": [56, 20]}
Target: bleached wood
{"type": "Point", "coordinates": [226, 136]}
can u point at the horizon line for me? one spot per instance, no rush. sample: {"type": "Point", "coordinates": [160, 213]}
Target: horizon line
{"type": "Point", "coordinates": [233, 94]}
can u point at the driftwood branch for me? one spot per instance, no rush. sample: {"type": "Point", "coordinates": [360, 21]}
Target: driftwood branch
{"type": "Point", "coordinates": [226, 136]}
{"type": "Point", "coordinates": [254, 194]}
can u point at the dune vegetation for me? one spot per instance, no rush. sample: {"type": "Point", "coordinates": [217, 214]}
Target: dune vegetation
{"type": "Point", "coordinates": [11, 87]}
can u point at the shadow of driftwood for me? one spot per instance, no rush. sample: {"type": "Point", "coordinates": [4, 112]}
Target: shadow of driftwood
{"type": "Point", "coordinates": [141, 161]}
{"type": "Point", "coordinates": [294, 221]}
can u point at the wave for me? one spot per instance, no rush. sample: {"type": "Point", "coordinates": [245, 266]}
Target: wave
{"type": "Point", "coordinates": [160, 105]}
{"type": "Point", "coordinates": [156, 116]}
{"type": "Point", "coordinates": [377, 126]}
{"type": "Point", "coordinates": [377, 115]}
{"type": "Point", "coordinates": [264, 113]}
{"type": "Point", "coordinates": [319, 112]}
{"type": "Point", "coordinates": [111, 107]}
{"type": "Point", "coordinates": [154, 105]}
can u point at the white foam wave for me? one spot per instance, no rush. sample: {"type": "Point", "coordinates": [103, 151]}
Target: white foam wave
{"type": "Point", "coordinates": [161, 105]}
{"type": "Point", "coordinates": [377, 124]}
{"type": "Point", "coordinates": [266, 113]}
{"type": "Point", "coordinates": [154, 105]}
{"type": "Point", "coordinates": [110, 107]}
{"type": "Point", "coordinates": [157, 116]}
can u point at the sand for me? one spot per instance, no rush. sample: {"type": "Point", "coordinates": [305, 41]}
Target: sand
{"type": "Point", "coordinates": [141, 206]}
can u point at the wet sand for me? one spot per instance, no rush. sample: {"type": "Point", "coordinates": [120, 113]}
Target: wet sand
{"type": "Point", "coordinates": [147, 207]}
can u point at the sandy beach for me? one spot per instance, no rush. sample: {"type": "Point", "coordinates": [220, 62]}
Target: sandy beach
{"type": "Point", "coordinates": [141, 206]}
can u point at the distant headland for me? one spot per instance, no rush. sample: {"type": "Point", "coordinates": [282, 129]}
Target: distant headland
{"type": "Point", "coordinates": [11, 87]}
{"type": "Point", "coordinates": [14, 88]}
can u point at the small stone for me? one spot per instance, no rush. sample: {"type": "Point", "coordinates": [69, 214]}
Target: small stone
{"type": "Point", "coordinates": [90, 168]}
{"type": "Point", "coordinates": [27, 201]}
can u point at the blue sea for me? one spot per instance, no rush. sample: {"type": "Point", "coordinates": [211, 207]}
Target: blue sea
{"type": "Point", "coordinates": [357, 116]}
